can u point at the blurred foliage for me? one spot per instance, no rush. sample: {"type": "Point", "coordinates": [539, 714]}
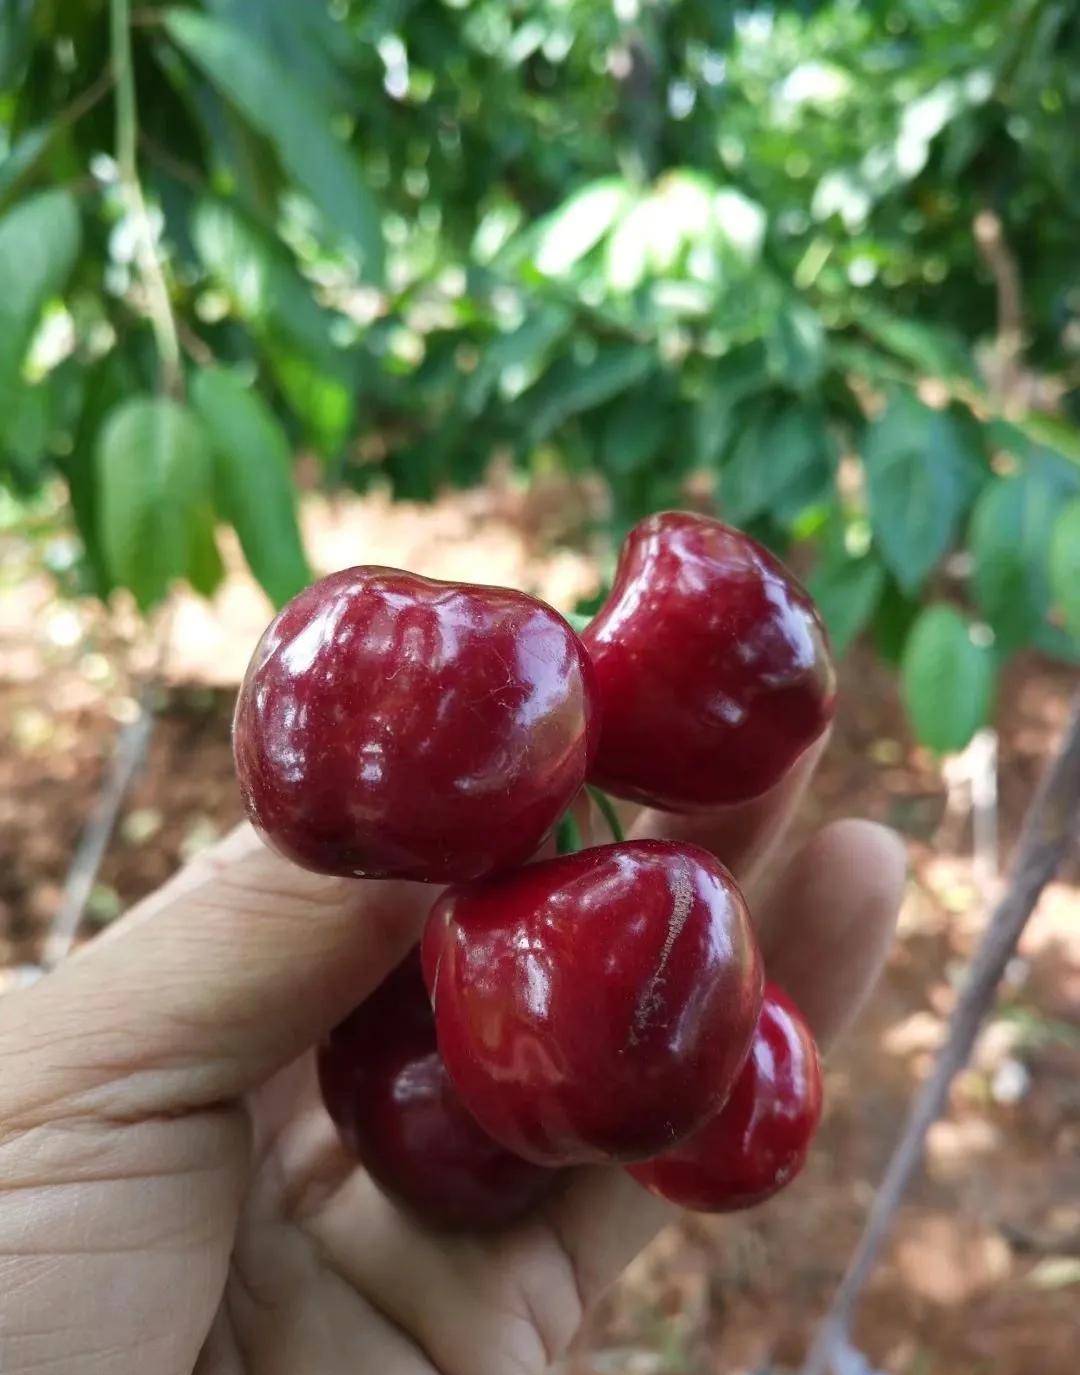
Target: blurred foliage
{"type": "Point", "coordinates": [820, 258]}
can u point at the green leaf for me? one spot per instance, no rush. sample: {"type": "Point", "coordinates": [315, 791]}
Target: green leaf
{"type": "Point", "coordinates": [1065, 566]}
{"type": "Point", "coordinates": [322, 402]}
{"type": "Point", "coordinates": [795, 346]}
{"type": "Point", "coordinates": [947, 679]}
{"type": "Point", "coordinates": [781, 458]}
{"type": "Point", "coordinates": [26, 424]}
{"type": "Point", "coordinates": [205, 570]}
{"type": "Point", "coordinates": [893, 619]}
{"type": "Point", "coordinates": [154, 475]}
{"type": "Point", "coordinates": [253, 473]}
{"type": "Point", "coordinates": [512, 360]}
{"type": "Point", "coordinates": [923, 467]}
{"type": "Point", "coordinates": [312, 43]}
{"type": "Point", "coordinates": [847, 594]}
{"type": "Point", "coordinates": [39, 240]}
{"type": "Point", "coordinates": [25, 153]}
{"type": "Point", "coordinates": [573, 386]}
{"type": "Point", "coordinates": [294, 119]}
{"type": "Point", "coordinates": [1009, 536]}
{"type": "Point", "coordinates": [931, 349]}
{"type": "Point", "coordinates": [579, 224]}
{"type": "Point", "coordinates": [262, 282]}
{"type": "Point", "coordinates": [1053, 432]}
{"type": "Point", "coordinates": [730, 380]}
{"type": "Point", "coordinates": [635, 430]}
{"type": "Point", "coordinates": [17, 18]}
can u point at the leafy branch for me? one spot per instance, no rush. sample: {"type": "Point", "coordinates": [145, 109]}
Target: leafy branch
{"type": "Point", "coordinates": [159, 305]}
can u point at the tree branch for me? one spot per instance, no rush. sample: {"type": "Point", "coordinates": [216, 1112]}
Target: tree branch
{"type": "Point", "coordinates": [999, 258]}
{"type": "Point", "coordinates": [157, 289]}
{"type": "Point", "coordinates": [1049, 830]}
{"type": "Point", "coordinates": [131, 746]}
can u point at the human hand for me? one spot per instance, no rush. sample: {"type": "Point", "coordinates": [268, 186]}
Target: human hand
{"type": "Point", "coordinates": [173, 1197]}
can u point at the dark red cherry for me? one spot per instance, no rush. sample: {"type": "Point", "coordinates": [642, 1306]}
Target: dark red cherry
{"type": "Point", "coordinates": [712, 665]}
{"type": "Point", "coordinates": [758, 1141]}
{"type": "Point", "coordinates": [595, 1007]}
{"type": "Point", "coordinates": [387, 1090]}
{"type": "Point", "coordinates": [390, 726]}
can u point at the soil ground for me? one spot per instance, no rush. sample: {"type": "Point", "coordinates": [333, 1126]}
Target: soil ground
{"type": "Point", "coordinates": [983, 1275]}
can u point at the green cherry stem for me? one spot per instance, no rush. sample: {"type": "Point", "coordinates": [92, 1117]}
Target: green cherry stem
{"type": "Point", "coordinates": [610, 815]}
{"type": "Point", "coordinates": [568, 837]}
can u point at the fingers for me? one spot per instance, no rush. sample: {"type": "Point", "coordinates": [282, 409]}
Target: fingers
{"type": "Point", "coordinates": [228, 972]}
{"type": "Point", "coordinates": [474, 1305]}
{"type": "Point", "coordinates": [742, 837]}
{"type": "Point", "coordinates": [827, 925]}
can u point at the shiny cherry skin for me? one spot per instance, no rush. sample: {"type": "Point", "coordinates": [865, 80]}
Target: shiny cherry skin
{"type": "Point", "coordinates": [758, 1141]}
{"type": "Point", "coordinates": [388, 1092]}
{"type": "Point", "coordinates": [595, 1007]}
{"type": "Point", "coordinates": [712, 664]}
{"type": "Point", "coordinates": [391, 726]}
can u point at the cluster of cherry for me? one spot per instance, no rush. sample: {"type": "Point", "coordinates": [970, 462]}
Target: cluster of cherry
{"type": "Point", "coordinates": [606, 1005]}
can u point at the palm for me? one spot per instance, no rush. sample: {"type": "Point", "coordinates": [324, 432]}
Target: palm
{"type": "Point", "coordinates": [322, 1266]}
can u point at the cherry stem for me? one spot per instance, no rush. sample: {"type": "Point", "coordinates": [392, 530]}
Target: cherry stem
{"type": "Point", "coordinates": [568, 837]}
{"type": "Point", "coordinates": [610, 815]}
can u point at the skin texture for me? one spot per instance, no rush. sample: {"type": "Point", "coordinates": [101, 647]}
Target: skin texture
{"type": "Point", "coordinates": [712, 666]}
{"type": "Point", "coordinates": [598, 1006]}
{"type": "Point", "coordinates": [391, 726]}
{"type": "Point", "coordinates": [387, 1090]}
{"type": "Point", "coordinates": [758, 1142]}
{"type": "Point", "coordinates": [174, 1197]}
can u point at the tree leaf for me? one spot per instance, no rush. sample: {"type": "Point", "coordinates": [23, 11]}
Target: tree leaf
{"type": "Point", "coordinates": [205, 570]}
{"type": "Point", "coordinates": [893, 618]}
{"type": "Point", "coordinates": [847, 593]}
{"type": "Point", "coordinates": [1009, 536]}
{"type": "Point", "coordinates": [154, 474]}
{"type": "Point", "coordinates": [579, 224]}
{"type": "Point", "coordinates": [947, 679]}
{"type": "Point", "coordinates": [16, 40]}
{"type": "Point", "coordinates": [932, 349]}
{"type": "Point", "coordinates": [635, 429]}
{"type": "Point", "coordinates": [1053, 432]}
{"type": "Point", "coordinates": [573, 386]}
{"type": "Point", "coordinates": [313, 44]}
{"type": "Point", "coordinates": [296, 122]}
{"type": "Point", "coordinates": [780, 457]}
{"type": "Point", "coordinates": [923, 468]}
{"type": "Point", "coordinates": [513, 360]}
{"type": "Point", "coordinates": [730, 380]}
{"type": "Point", "coordinates": [253, 476]}
{"type": "Point", "coordinates": [1065, 566]}
{"type": "Point", "coordinates": [262, 282]}
{"type": "Point", "coordinates": [321, 401]}
{"type": "Point", "coordinates": [39, 240]}
{"type": "Point", "coordinates": [25, 152]}
{"type": "Point", "coordinates": [795, 346]}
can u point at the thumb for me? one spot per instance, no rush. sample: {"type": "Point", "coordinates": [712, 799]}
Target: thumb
{"type": "Point", "coordinates": [232, 969]}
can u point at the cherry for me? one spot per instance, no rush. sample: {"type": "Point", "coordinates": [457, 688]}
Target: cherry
{"type": "Point", "coordinates": [712, 665]}
{"type": "Point", "coordinates": [758, 1141]}
{"type": "Point", "coordinates": [394, 726]}
{"type": "Point", "coordinates": [390, 1096]}
{"type": "Point", "coordinates": [595, 1007]}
